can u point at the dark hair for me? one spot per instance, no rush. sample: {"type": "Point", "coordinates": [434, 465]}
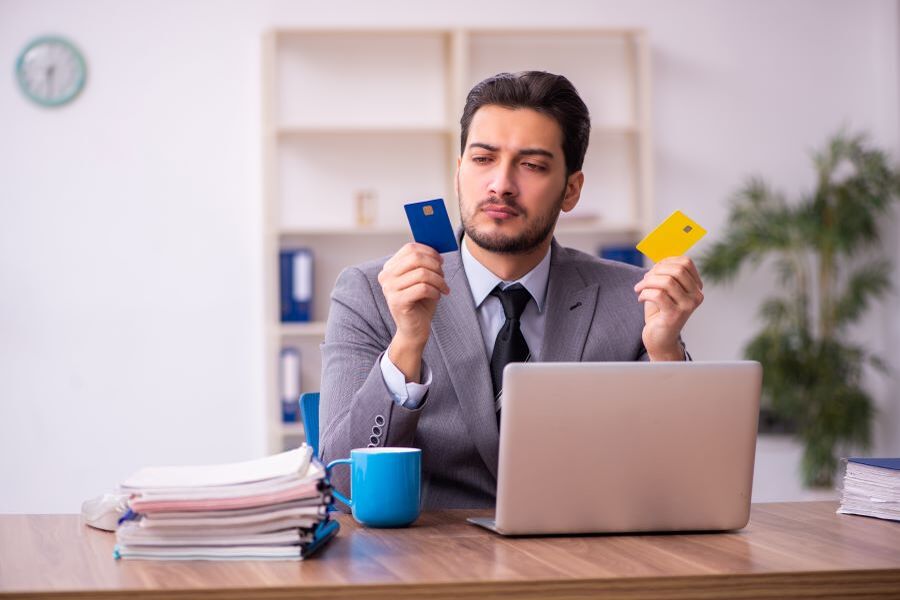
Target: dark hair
{"type": "Point", "coordinates": [552, 95]}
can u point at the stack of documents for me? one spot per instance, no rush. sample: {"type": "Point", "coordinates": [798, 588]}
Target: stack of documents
{"type": "Point", "coordinates": [872, 488]}
{"type": "Point", "coordinates": [271, 508]}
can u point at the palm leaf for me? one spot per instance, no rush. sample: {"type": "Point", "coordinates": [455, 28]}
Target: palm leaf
{"type": "Point", "coordinates": [750, 234]}
{"type": "Point", "coordinates": [869, 282]}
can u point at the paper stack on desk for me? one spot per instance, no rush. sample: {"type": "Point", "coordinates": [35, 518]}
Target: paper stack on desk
{"type": "Point", "coordinates": [872, 488]}
{"type": "Point", "coordinates": [271, 508]}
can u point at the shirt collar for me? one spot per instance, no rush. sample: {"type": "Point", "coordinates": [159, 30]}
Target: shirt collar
{"type": "Point", "coordinates": [482, 281]}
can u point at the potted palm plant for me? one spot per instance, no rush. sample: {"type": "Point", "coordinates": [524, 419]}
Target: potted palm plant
{"type": "Point", "coordinates": [829, 267]}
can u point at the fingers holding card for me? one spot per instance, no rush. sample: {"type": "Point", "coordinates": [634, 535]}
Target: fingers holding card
{"type": "Point", "coordinates": [672, 289]}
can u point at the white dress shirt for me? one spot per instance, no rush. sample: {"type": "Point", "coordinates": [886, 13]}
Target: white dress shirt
{"type": "Point", "coordinates": [490, 317]}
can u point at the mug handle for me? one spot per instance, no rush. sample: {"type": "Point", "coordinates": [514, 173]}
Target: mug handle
{"type": "Point", "coordinates": [334, 492]}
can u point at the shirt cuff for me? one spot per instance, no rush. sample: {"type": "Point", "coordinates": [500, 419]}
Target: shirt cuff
{"type": "Point", "coordinates": [408, 395]}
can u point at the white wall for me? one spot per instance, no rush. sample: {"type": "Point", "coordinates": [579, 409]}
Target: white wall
{"type": "Point", "coordinates": [130, 221]}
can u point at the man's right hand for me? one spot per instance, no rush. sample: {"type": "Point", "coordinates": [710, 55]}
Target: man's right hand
{"type": "Point", "coordinates": [412, 281]}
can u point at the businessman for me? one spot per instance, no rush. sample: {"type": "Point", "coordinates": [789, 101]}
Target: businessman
{"type": "Point", "coordinates": [416, 343]}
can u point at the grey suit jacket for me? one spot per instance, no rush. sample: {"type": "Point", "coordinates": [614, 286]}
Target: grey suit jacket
{"type": "Point", "coordinates": [593, 315]}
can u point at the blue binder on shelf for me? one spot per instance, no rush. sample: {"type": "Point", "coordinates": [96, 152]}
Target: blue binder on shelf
{"type": "Point", "coordinates": [626, 254]}
{"type": "Point", "coordinates": [289, 370]}
{"type": "Point", "coordinates": [295, 274]}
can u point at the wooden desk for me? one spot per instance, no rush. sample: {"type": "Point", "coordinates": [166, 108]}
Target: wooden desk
{"type": "Point", "coordinates": [788, 550]}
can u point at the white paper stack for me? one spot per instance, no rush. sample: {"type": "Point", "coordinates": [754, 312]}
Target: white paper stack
{"type": "Point", "coordinates": [872, 488]}
{"type": "Point", "coordinates": [271, 508]}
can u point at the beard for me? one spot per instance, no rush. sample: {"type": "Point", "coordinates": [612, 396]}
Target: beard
{"type": "Point", "coordinates": [533, 236]}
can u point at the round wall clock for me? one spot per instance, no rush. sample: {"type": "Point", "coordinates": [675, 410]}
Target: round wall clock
{"type": "Point", "coordinates": [51, 71]}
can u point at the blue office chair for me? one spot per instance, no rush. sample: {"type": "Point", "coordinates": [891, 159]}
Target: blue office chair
{"type": "Point", "coordinates": [309, 412]}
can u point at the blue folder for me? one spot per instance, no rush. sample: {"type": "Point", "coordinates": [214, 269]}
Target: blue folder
{"type": "Point", "coordinates": [884, 463]}
{"type": "Point", "coordinates": [295, 270]}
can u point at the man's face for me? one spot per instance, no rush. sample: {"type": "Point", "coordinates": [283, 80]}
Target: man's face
{"type": "Point", "coordinates": [511, 179]}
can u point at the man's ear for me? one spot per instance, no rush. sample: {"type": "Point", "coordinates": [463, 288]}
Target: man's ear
{"type": "Point", "coordinates": [456, 178]}
{"type": "Point", "coordinates": [574, 183]}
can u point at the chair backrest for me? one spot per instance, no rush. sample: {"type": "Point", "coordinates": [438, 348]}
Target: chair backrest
{"type": "Point", "coordinates": [309, 412]}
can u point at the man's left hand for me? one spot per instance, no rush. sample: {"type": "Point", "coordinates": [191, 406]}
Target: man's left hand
{"type": "Point", "coordinates": [671, 291]}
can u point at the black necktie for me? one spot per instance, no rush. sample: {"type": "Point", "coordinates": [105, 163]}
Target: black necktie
{"type": "Point", "coordinates": [510, 345]}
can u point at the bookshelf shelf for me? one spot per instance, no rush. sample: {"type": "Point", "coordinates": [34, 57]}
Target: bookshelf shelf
{"type": "Point", "coordinates": [292, 429]}
{"type": "Point", "coordinates": [605, 130]}
{"type": "Point", "coordinates": [300, 233]}
{"type": "Point", "coordinates": [594, 227]}
{"type": "Point", "coordinates": [311, 329]}
{"type": "Point", "coordinates": [382, 129]}
{"type": "Point", "coordinates": [287, 131]}
{"type": "Point", "coordinates": [348, 112]}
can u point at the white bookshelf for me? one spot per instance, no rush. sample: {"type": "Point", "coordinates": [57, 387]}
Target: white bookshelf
{"type": "Point", "coordinates": [378, 110]}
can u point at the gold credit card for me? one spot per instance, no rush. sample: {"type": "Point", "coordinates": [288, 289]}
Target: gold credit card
{"type": "Point", "coordinates": [672, 237]}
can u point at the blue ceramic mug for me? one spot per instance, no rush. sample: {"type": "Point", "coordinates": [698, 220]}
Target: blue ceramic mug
{"type": "Point", "coordinates": [385, 485]}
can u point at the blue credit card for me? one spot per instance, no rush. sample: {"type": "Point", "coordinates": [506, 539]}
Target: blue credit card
{"type": "Point", "coordinates": [430, 224]}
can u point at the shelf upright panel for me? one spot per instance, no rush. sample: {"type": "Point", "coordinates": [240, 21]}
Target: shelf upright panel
{"type": "Point", "coordinates": [644, 111]}
{"type": "Point", "coordinates": [272, 340]}
{"type": "Point", "coordinates": [457, 88]}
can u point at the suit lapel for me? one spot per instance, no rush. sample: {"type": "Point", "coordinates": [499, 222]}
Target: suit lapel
{"type": "Point", "coordinates": [458, 335]}
{"type": "Point", "coordinates": [571, 304]}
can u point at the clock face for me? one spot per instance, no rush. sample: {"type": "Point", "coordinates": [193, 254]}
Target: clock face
{"type": "Point", "coordinates": [50, 71]}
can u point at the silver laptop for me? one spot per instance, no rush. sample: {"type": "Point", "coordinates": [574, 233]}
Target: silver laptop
{"type": "Point", "coordinates": [626, 447]}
